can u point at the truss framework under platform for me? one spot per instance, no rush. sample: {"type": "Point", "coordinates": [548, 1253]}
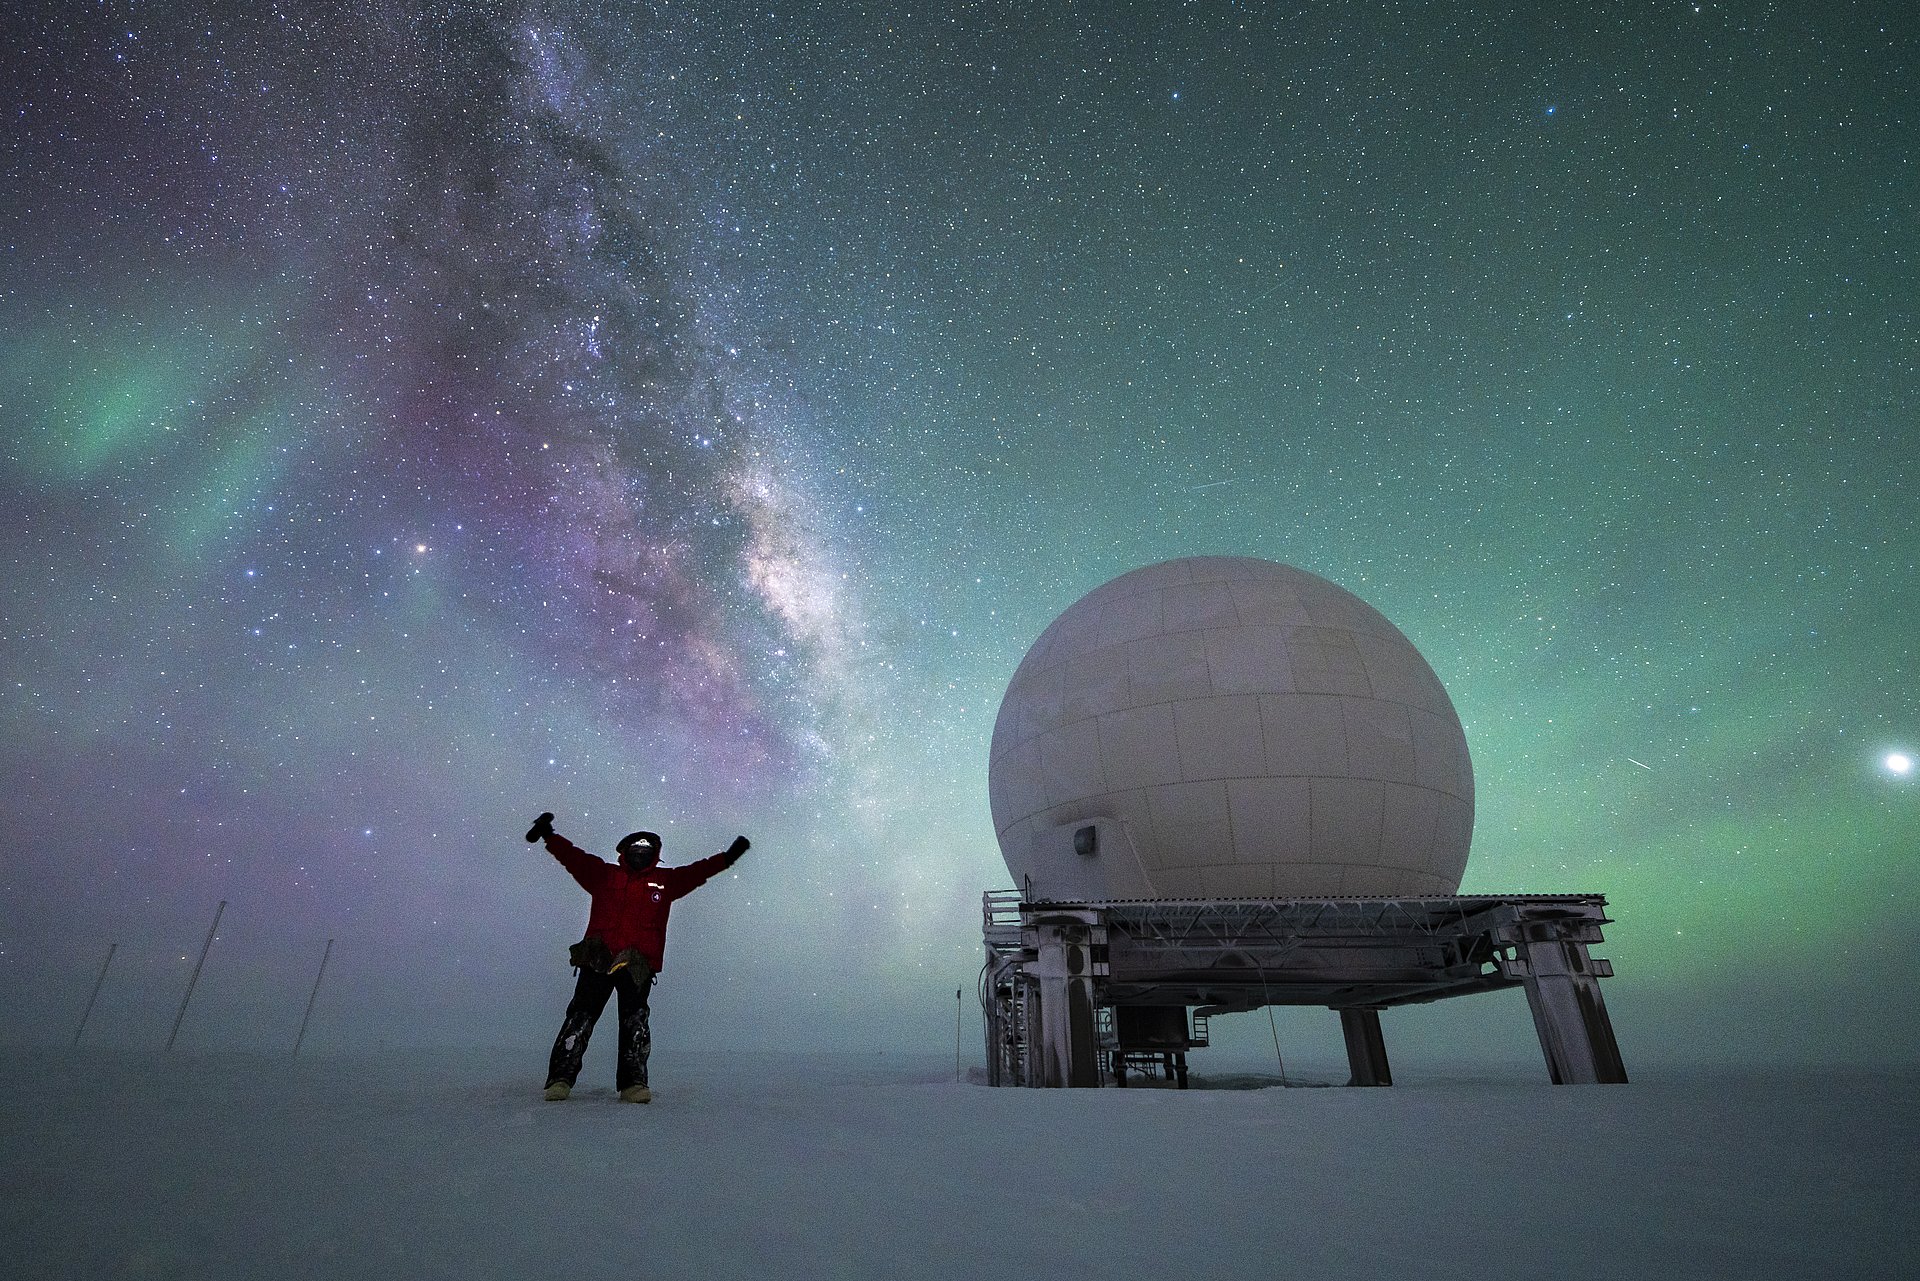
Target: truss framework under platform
{"type": "Point", "coordinates": [1055, 970]}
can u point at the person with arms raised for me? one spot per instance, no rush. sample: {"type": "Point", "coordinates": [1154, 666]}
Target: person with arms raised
{"type": "Point", "coordinates": [623, 948]}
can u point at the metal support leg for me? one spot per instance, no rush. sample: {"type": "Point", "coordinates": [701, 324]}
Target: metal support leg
{"type": "Point", "coordinates": [1064, 968]}
{"type": "Point", "coordinates": [1366, 1047]}
{"type": "Point", "coordinates": [1569, 1013]}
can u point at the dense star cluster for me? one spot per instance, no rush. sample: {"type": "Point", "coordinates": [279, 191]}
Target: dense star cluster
{"type": "Point", "coordinates": [685, 416]}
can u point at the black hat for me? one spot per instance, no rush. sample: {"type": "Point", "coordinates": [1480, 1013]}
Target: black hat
{"type": "Point", "coordinates": [640, 847]}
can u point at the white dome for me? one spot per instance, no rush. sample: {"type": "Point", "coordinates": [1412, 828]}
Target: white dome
{"type": "Point", "coordinates": [1231, 728]}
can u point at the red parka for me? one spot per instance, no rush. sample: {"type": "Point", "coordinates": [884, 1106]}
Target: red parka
{"type": "Point", "coordinates": [630, 907]}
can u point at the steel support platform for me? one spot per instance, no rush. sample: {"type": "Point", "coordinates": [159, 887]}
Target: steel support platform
{"type": "Point", "coordinates": [1056, 971]}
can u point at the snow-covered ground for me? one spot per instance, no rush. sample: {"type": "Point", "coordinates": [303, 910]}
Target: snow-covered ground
{"type": "Point", "coordinates": [430, 1164]}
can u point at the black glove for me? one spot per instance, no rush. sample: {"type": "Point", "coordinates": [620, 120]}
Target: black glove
{"type": "Point", "coordinates": [542, 826]}
{"type": "Point", "coordinates": [739, 847]}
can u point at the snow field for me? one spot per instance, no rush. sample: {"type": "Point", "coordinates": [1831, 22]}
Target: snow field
{"type": "Point", "coordinates": [432, 1164]}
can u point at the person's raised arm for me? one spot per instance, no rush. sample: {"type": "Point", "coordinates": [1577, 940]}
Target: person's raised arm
{"type": "Point", "coordinates": [691, 877]}
{"type": "Point", "coordinates": [581, 866]}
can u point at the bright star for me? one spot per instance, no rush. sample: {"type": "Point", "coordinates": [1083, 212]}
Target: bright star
{"type": "Point", "coordinates": [1899, 764]}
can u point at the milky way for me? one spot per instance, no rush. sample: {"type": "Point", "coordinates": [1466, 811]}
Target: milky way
{"type": "Point", "coordinates": [686, 415]}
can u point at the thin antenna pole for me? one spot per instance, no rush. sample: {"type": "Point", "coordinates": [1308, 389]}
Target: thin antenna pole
{"type": "Point", "coordinates": [97, 983]}
{"type": "Point", "coordinates": [1266, 999]}
{"type": "Point", "coordinates": [956, 1034]}
{"type": "Point", "coordinates": [1279, 1057]}
{"type": "Point", "coordinates": [311, 999]}
{"type": "Point", "coordinates": [192, 982]}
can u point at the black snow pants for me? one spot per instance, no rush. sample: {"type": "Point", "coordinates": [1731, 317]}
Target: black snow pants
{"type": "Point", "coordinates": [583, 1011]}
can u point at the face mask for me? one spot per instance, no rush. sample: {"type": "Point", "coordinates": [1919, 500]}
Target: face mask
{"type": "Point", "coordinates": [639, 851]}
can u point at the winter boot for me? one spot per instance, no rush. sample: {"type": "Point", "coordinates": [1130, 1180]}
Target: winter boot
{"type": "Point", "coordinates": [558, 1091]}
{"type": "Point", "coordinates": [636, 1094]}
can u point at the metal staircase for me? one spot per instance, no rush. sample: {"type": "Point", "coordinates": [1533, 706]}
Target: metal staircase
{"type": "Point", "coordinates": [1008, 995]}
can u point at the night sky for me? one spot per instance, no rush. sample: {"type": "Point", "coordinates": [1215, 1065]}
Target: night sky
{"type": "Point", "coordinates": [685, 416]}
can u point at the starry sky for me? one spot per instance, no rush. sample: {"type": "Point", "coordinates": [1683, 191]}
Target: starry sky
{"type": "Point", "coordinates": [684, 415]}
